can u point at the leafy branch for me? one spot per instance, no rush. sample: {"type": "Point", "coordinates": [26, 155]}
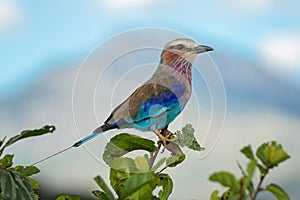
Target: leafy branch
{"type": "Point", "coordinates": [137, 178]}
{"type": "Point", "coordinates": [15, 182]}
{"type": "Point", "coordinates": [143, 177]}
{"type": "Point", "coordinates": [269, 155]}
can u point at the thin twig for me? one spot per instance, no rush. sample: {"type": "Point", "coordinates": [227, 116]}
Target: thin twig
{"type": "Point", "coordinates": [165, 167]}
{"type": "Point", "coordinates": [153, 158]}
{"type": "Point", "coordinates": [258, 188]}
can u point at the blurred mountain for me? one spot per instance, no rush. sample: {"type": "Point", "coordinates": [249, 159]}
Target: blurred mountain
{"type": "Point", "coordinates": [249, 84]}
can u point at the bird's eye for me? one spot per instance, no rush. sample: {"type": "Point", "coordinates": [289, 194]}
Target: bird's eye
{"type": "Point", "coordinates": [180, 46]}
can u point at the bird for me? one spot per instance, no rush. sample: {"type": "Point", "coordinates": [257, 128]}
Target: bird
{"type": "Point", "coordinates": [157, 102]}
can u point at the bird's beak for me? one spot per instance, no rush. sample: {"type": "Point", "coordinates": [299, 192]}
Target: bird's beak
{"type": "Point", "coordinates": [201, 48]}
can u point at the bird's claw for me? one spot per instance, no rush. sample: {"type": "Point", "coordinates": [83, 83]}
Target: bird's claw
{"type": "Point", "coordinates": [164, 140]}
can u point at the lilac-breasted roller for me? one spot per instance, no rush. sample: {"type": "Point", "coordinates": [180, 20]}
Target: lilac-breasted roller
{"type": "Point", "coordinates": [155, 104]}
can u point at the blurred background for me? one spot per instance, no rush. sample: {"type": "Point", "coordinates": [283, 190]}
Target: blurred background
{"type": "Point", "coordinates": [43, 44]}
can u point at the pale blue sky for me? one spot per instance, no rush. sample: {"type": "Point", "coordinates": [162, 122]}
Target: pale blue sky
{"type": "Point", "coordinates": [42, 34]}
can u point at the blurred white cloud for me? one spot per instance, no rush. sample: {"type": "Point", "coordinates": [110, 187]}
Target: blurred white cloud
{"type": "Point", "coordinates": [247, 5]}
{"type": "Point", "coordinates": [281, 51]}
{"type": "Point", "coordinates": [126, 4]}
{"type": "Point", "coordinates": [10, 14]}
{"type": "Point", "coordinates": [256, 4]}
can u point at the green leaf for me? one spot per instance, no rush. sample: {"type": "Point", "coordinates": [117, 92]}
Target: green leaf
{"type": "Point", "coordinates": [2, 141]}
{"type": "Point", "coordinates": [6, 161]}
{"type": "Point", "coordinates": [28, 133]}
{"type": "Point", "coordinates": [17, 168]}
{"type": "Point", "coordinates": [226, 179]}
{"type": "Point", "coordinates": [167, 186]}
{"type": "Point", "coordinates": [248, 184]}
{"type": "Point", "coordinates": [117, 179]}
{"type": "Point", "coordinates": [137, 182]}
{"type": "Point", "coordinates": [228, 195]}
{"type": "Point", "coordinates": [124, 164]}
{"type": "Point", "coordinates": [36, 197]}
{"type": "Point", "coordinates": [125, 143]}
{"type": "Point", "coordinates": [100, 195]}
{"type": "Point", "coordinates": [7, 186]}
{"type": "Point", "coordinates": [141, 163]}
{"type": "Point", "coordinates": [68, 197]}
{"type": "Point", "coordinates": [158, 164]}
{"type": "Point", "coordinates": [262, 169]}
{"type": "Point", "coordinates": [251, 168]}
{"type": "Point", "coordinates": [104, 187]}
{"type": "Point", "coordinates": [271, 154]}
{"type": "Point", "coordinates": [14, 187]}
{"type": "Point", "coordinates": [29, 170]}
{"type": "Point", "coordinates": [214, 195]}
{"type": "Point", "coordinates": [186, 138]}
{"type": "Point", "coordinates": [144, 192]}
{"type": "Point", "coordinates": [247, 151]}
{"type": "Point", "coordinates": [34, 183]}
{"type": "Point", "coordinates": [172, 161]}
{"type": "Point", "coordinates": [278, 192]}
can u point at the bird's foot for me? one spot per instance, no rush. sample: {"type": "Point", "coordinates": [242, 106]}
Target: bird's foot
{"type": "Point", "coordinates": [164, 138]}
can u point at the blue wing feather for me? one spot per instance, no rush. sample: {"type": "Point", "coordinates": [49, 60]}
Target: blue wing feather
{"type": "Point", "coordinates": [151, 107]}
{"type": "Point", "coordinates": [163, 103]}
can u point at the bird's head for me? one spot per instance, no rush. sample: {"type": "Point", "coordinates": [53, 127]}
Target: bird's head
{"type": "Point", "coordinates": [182, 48]}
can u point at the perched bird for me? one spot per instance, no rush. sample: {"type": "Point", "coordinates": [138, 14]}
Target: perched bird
{"type": "Point", "coordinates": [155, 104]}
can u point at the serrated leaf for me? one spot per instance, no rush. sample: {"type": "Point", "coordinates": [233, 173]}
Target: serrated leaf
{"type": "Point", "coordinates": [104, 187]}
{"type": "Point", "coordinates": [271, 154]}
{"type": "Point", "coordinates": [100, 195]}
{"type": "Point", "coordinates": [214, 195]}
{"type": "Point", "coordinates": [158, 164]}
{"type": "Point", "coordinates": [247, 151]}
{"type": "Point", "coordinates": [28, 133]}
{"type": "Point", "coordinates": [226, 179]}
{"type": "Point", "coordinates": [172, 161]}
{"type": "Point", "coordinates": [186, 138]}
{"type": "Point", "coordinates": [6, 161]}
{"type": "Point", "coordinates": [29, 170]}
{"type": "Point", "coordinates": [124, 143]}
{"type": "Point", "coordinates": [141, 163]}
{"type": "Point", "coordinates": [68, 197]}
{"type": "Point", "coordinates": [167, 186]}
{"type": "Point", "coordinates": [138, 182]}
{"type": "Point", "coordinates": [14, 187]}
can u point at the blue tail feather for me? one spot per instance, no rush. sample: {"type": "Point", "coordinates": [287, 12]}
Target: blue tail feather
{"type": "Point", "coordinates": [96, 132]}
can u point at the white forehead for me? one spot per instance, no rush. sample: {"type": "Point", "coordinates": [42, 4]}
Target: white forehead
{"type": "Point", "coordinates": [184, 41]}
